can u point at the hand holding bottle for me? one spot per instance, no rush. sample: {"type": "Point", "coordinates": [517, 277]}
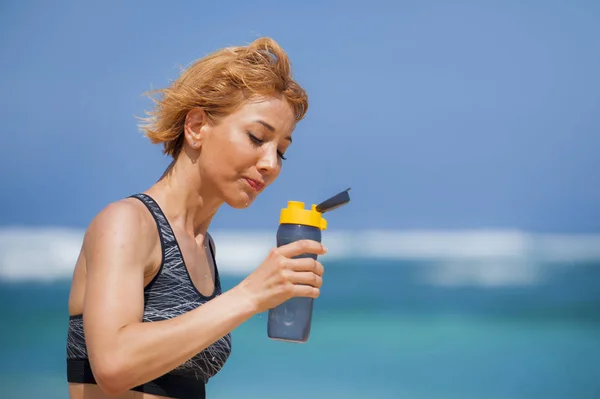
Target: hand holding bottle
{"type": "Point", "coordinates": [282, 276]}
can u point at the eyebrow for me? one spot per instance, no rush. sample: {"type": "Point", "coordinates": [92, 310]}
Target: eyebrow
{"type": "Point", "coordinates": [272, 129]}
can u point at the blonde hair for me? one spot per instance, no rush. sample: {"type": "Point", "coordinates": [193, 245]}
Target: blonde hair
{"type": "Point", "coordinates": [220, 83]}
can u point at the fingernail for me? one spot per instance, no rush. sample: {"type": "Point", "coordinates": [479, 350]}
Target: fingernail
{"type": "Point", "coordinates": [325, 248]}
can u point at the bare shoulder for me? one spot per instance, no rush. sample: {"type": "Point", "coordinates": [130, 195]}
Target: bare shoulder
{"type": "Point", "coordinates": [125, 227]}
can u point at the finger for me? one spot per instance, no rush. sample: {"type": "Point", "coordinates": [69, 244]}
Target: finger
{"type": "Point", "coordinates": [302, 247]}
{"type": "Point", "coordinates": [306, 278]}
{"type": "Point", "coordinates": [306, 265]}
{"type": "Point", "coordinates": [306, 291]}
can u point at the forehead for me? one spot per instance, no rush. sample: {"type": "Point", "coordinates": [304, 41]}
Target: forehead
{"type": "Point", "coordinates": [273, 111]}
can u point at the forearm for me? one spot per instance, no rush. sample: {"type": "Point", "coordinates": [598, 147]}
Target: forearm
{"type": "Point", "coordinates": [144, 351]}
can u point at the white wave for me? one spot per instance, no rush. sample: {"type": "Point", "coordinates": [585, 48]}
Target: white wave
{"type": "Point", "coordinates": [483, 273]}
{"type": "Point", "coordinates": [461, 257]}
{"type": "Point", "coordinates": [38, 253]}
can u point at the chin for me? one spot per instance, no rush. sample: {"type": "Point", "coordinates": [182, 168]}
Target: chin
{"type": "Point", "coordinates": [242, 201]}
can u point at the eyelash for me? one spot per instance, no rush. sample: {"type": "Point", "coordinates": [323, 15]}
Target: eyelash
{"type": "Point", "coordinates": [255, 140]}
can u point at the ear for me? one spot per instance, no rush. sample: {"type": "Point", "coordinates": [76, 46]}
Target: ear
{"type": "Point", "coordinates": [195, 120]}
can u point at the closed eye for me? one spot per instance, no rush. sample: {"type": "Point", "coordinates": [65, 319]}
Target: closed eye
{"type": "Point", "coordinates": [258, 142]}
{"type": "Point", "coordinates": [255, 139]}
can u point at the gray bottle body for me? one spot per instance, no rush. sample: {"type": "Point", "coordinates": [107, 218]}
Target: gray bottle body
{"type": "Point", "coordinates": [291, 320]}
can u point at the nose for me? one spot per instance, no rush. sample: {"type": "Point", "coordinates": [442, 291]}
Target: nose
{"type": "Point", "coordinates": [268, 163]}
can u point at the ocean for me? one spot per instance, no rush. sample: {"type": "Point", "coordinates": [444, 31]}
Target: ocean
{"type": "Point", "coordinates": [415, 315]}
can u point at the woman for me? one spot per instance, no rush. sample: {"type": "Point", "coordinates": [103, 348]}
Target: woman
{"type": "Point", "coordinates": [147, 316]}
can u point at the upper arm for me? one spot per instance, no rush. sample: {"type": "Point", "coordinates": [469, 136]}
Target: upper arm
{"type": "Point", "coordinates": [118, 248]}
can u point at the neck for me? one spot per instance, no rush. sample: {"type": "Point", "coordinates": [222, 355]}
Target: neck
{"type": "Point", "coordinates": [187, 203]}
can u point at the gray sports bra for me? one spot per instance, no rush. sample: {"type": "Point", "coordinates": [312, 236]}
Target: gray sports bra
{"type": "Point", "coordinates": [170, 293]}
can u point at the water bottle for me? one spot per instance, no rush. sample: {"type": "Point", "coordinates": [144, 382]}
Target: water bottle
{"type": "Point", "coordinates": [291, 321]}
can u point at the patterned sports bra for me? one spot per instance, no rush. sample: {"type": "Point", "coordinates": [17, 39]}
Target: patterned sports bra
{"type": "Point", "coordinates": [170, 293]}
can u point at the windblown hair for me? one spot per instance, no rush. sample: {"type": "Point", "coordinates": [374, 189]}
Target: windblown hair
{"type": "Point", "coordinates": [220, 83]}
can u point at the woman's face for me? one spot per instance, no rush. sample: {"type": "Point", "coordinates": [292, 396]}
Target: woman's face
{"type": "Point", "coordinates": [242, 154]}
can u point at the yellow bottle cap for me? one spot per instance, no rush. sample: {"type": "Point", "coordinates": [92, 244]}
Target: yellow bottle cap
{"type": "Point", "coordinates": [296, 214]}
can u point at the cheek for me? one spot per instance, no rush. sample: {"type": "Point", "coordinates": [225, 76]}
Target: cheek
{"type": "Point", "coordinates": [240, 151]}
{"type": "Point", "coordinates": [229, 151]}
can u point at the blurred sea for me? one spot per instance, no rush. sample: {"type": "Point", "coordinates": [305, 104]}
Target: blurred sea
{"type": "Point", "coordinates": [420, 316]}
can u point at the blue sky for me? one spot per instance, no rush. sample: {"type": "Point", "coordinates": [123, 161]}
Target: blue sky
{"type": "Point", "coordinates": [473, 114]}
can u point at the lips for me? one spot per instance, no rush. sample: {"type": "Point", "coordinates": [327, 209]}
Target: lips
{"type": "Point", "coordinates": [256, 185]}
